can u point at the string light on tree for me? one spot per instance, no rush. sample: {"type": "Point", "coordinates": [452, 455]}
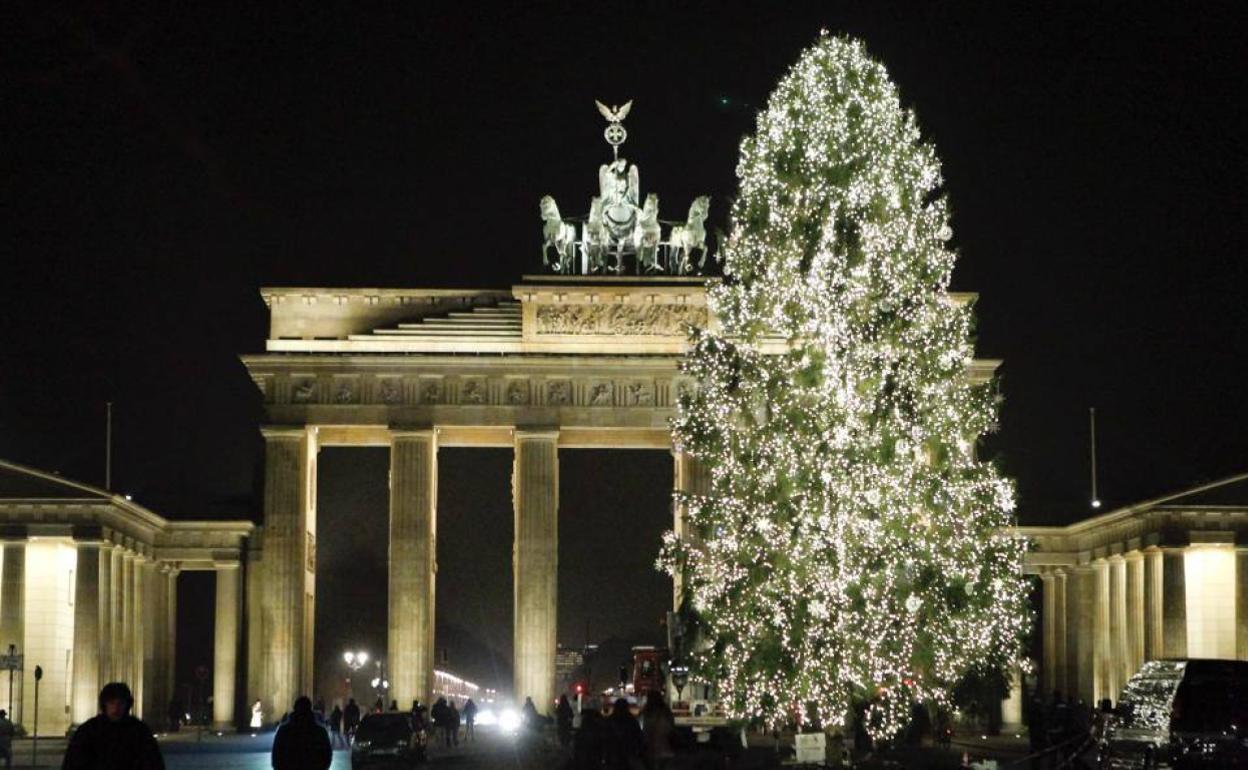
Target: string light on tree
{"type": "Point", "coordinates": [852, 549]}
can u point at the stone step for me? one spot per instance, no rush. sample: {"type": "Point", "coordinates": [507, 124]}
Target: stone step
{"type": "Point", "coordinates": [442, 331]}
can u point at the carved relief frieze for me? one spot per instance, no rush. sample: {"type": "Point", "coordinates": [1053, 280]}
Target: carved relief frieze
{"type": "Point", "coordinates": [559, 393]}
{"type": "Point", "coordinates": [302, 390]}
{"type": "Point", "coordinates": [431, 392]}
{"type": "Point", "coordinates": [473, 392]}
{"type": "Point", "coordinates": [389, 390]}
{"type": "Point", "coordinates": [518, 392]}
{"type": "Point", "coordinates": [600, 394]}
{"type": "Point", "coordinates": [619, 320]}
{"type": "Point", "coordinates": [639, 393]}
{"type": "Point", "coordinates": [345, 392]}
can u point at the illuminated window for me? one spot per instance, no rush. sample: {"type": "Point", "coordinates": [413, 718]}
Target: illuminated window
{"type": "Point", "coordinates": [1210, 586]}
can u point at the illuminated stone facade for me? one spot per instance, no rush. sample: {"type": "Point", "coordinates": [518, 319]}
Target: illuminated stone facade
{"type": "Point", "coordinates": [555, 363]}
{"type": "Point", "coordinates": [88, 592]}
{"type": "Point", "coordinates": [1167, 578]}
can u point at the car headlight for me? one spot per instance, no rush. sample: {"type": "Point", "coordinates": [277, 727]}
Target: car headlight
{"type": "Point", "coordinates": [401, 744]}
{"type": "Point", "coordinates": [509, 720]}
{"type": "Point", "coordinates": [363, 744]}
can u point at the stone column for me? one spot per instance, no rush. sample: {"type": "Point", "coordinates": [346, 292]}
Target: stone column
{"type": "Point", "coordinates": [1135, 612]}
{"type": "Point", "coordinates": [1104, 656]}
{"type": "Point", "coordinates": [1174, 603]}
{"type": "Point", "coordinates": [158, 696]}
{"type": "Point", "coordinates": [151, 628]}
{"type": "Point", "coordinates": [138, 638]}
{"type": "Point", "coordinates": [86, 660]}
{"type": "Point", "coordinates": [413, 563]}
{"type": "Point", "coordinates": [253, 587]}
{"type": "Point", "coordinates": [690, 477]}
{"type": "Point", "coordinates": [1059, 633]}
{"type": "Point", "coordinates": [225, 649]}
{"type": "Point", "coordinates": [1080, 633]}
{"type": "Point", "coordinates": [1119, 655]}
{"type": "Point", "coordinates": [13, 622]}
{"type": "Point", "coordinates": [105, 607]}
{"type": "Point", "coordinates": [171, 632]}
{"type": "Point", "coordinates": [1153, 648]}
{"type": "Point", "coordinates": [1241, 603]}
{"type": "Point", "coordinates": [125, 654]}
{"type": "Point", "coordinates": [535, 493]}
{"type": "Point", "coordinates": [289, 504]}
{"type": "Point", "coordinates": [1048, 617]}
{"type": "Point", "coordinates": [116, 625]}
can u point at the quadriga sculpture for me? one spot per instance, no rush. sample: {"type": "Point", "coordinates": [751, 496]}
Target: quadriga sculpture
{"type": "Point", "coordinates": [557, 235]}
{"type": "Point", "coordinates": [647, 234]}
{"type": "Point", "coordinates": [685, 239]}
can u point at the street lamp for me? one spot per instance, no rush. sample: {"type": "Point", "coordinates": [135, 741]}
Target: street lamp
{"type": "Point", "coordinates": [355, 660]}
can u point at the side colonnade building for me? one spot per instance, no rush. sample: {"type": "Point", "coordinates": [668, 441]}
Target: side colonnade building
{"type": "Point", "coordinates": [88, 592]}
{"type": "Point", "coordinates": [1165, 578]}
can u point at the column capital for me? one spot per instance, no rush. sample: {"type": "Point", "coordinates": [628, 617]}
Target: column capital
{"type": "Point", "coordinates": [1133, 555]}
{"type": "Point", "coordinates": [536, 434]}
{"type": "Point", "coordinates": [221, 566]}
{"type": "Point", "coordinates": [284, 432]}
{"type": "Point", "coordinates": [403, 432]}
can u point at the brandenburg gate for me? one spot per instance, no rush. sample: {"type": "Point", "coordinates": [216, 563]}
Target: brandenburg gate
{"type": "Point", "coordinates": [558, 362]}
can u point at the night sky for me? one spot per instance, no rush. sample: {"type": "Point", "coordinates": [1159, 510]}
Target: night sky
{"type": "Point", "coordinates": [159, 167]}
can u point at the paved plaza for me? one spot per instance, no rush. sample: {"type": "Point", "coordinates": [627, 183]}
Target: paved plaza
{"type": "Point", "coordinates": [187, 751]}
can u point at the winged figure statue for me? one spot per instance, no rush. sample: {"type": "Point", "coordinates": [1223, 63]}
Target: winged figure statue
{"type": "Point", "coordinates": [614, 114]}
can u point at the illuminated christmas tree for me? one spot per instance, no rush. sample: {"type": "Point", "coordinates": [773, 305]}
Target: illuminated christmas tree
{"type": "Point", "coordinates": [852, 548]}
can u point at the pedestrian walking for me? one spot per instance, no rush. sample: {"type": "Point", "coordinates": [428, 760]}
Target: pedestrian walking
{"type": "Point", "coordinates": [470, 720]}
{"type": "Point", "coordinates": [658, 726]}
{"type": "Point", "coordinates": [529, 716]}
{"type": "Point", "coordinates": [625, 743]}
{"type": "Point", "coordinates": [452, 723]}
{"type": "Point", "coordinates": [335, 724]}
{"type": "Point", "coordinates": [257, 715]}
{"type": "Point", "coordinates": [441, 720]}
{"type": "Point", "coordinates": [301, 742]}
{"type": "Point", "coordinates": [589, 747]}
{"type": "Point", "coordinates": [319, 708]}
{"type": "Point", "coordinates": [113, 738]}
{"type": "Point", "coordinates": [6, 739]}
{"type": "Point", "coordinates": [350, 717]}
{"type": "Point", "coordinates": [563, 721]}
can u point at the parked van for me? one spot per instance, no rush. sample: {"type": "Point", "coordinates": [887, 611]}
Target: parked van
{"type": "Point", "coordinates": [1180, 714]}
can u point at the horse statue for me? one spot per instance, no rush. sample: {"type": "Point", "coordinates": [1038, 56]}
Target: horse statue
{"type": "Point", "coordinates": [647, 234]}
{"type": "Point", "coordinates": [557, 235]}
{"type": "Point", "coordinates": [685, 238]}
{"type": "Point", "coordinates": [594, 237]}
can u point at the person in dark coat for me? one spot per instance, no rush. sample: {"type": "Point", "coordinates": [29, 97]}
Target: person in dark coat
{"type": "Point", "coordinates": [350, 717]}
{"type": "Point", "coordinates": [563, 721]}
{"type": "Point", "coordinates": [589, 746]}
{"type": "Point", "coordinates": [470, 720]}
{"type": "Point", "coordinates": [301, 742]}
{"type": "Point", "coordinates": [452, 722]}
{"type": "Point", "coordinates": [113, 739]}
{"type": "Point", "coordinates": [625, 745]}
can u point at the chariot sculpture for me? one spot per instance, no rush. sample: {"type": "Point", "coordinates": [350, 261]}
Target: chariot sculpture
{"type": "Point", "coordinates": [621, 233]}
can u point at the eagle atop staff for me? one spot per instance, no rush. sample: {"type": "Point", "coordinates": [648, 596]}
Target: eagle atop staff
{"type": "Point", "coordinates": [614, 114]}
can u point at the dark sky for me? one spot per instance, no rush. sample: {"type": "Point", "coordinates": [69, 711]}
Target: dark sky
{"type": "Point", "coordinates": [160, 166]}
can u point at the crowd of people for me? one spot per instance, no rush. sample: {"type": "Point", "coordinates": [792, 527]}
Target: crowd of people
{"type": "Point", "coordinates": [620, 740]}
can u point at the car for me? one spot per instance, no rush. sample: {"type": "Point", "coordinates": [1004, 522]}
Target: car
{"type": "Point", "coordinates": [388, 738]}
{"type": "Point", "coordinates": [1180, 714]}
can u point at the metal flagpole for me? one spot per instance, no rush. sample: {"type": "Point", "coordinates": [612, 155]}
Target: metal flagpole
{"type": "Point", "coordinates": [1096, 500]}
{"type": "Point", "coordinates": [108, 446]}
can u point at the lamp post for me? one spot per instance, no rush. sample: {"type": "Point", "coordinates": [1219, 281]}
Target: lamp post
{"type": "Point", "coordinates": [380, 685]}
{"type": "Point", "coordinates": [355, 660]}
